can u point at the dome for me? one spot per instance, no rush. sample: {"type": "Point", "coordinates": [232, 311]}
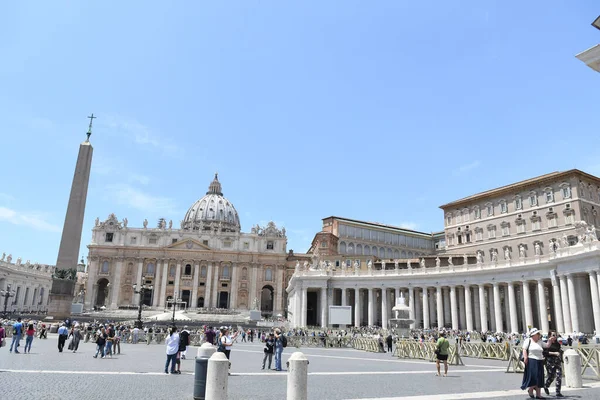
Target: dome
{"type": "Point", "coordinates": [212, 212]}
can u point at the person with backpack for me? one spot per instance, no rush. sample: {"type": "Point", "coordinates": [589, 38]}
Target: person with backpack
{"type": "Point", "coordinates": [441, 352]}
{"type": "Point", "coordinates": [269, 347]}
{"type": "Point", "coordinates": [280, 344]}
{"type": "Point", "coordinates": [16, 339]}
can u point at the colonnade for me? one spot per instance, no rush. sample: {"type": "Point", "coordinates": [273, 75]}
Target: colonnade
{"type": "Point", "coordinates": [565, 303]}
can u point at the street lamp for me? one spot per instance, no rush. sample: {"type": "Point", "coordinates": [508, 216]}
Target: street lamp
{"type": "Point", "coordinates": [174, 300]}
{"type": "Point", "coordinates": [142, 290]}
{"type": "Point", "coordinates": [7, 294]}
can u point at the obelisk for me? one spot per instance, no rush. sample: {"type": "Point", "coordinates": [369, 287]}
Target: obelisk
{"type": "Point", "coordinates": [63, 283]}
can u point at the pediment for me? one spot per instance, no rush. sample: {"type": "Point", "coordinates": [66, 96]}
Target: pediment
{"type": "Point", "coordinates": [188, 244]}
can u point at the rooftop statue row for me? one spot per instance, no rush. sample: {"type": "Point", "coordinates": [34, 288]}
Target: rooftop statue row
{"type": "Point", "coordinates": [35, 266]}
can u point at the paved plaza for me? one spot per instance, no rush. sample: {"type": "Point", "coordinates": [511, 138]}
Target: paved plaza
{"type": "Point", "coordinates": [333, 374]}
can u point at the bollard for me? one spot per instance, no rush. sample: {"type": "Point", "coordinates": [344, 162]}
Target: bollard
{"type": "Point", "coordinates": [297, 380]}
{"type": "Point", "coordinates": [573, 368]}
{"type": "Point", "coordinates": [217, 376]}
{"type": "Point", "coordinates": [200, 370]}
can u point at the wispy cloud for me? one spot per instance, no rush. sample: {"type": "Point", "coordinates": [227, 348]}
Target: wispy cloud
{"type": "Point", "coordinates": [35, 220]}
{"type": "Point", "coordinates": [408, 225]}
{"type": "Point", "coordinates": [106, 167]}
{"type": "Point", "coordinates": [140, 134]}
{"type": "Point", "coordinates": [128, 195]}
{"type": "Point", "coordinates": [467, 167]}
{"type": "Point", "coordinates": [6, 198]}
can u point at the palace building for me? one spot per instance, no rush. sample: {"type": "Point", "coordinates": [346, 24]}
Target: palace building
{"type": "Point", "coordinates": [203, 262]}
{"type": "Point", "coordinates": [522, 255]}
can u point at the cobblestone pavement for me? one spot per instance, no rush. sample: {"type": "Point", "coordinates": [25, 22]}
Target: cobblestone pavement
{"type": "Point", "coordinates": [333, 374]}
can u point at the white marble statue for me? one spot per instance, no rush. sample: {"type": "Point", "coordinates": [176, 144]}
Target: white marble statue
{"type": "Point", "coordinates": [494, 256]}
{"type": "Point", "coordinates": [145, 223]}
{"type": "Point", "coordinates": [437, 262]}
{"type": "Point", "coordinates": [538, 249]}
{"type": "Point", "coordinates": [507, 254]}
{"type": "Point", "coordinates": [3, 256]}
{"type": "Point", "coordinates": [383, 265]}
{"type": "Point", "coordinates": [422, 262]}
{"type": "Point", "coordinates": [369, 265]}
{"type": "Point", "coordinates": [450, 263]}
{"type": "Point", "coordinates": [305, 265]}
{"type": "Point", "coordinates": [408, 264]}
{"type": "Point", "coordinates": [552, 246]}
{"type": "Point", "coordinates": [9, 258]}
{"type": "Point", "coordinates": [395, 264]}
{"type": "Point", "coordinates": [97, 223]}
{"type": "Point", "coordinates": [565, 240]}
{"type": "Point", "coordinates": [27, 263]}
{"type": "Point", "coordinates": [521, 251]}
{"type": "Point", "coordinates": [170, 224]}
{"type": "Point", "coordinates": [356, 264]}
{"type": "Point", "coordinates": [297, 267]}
{"type": "Point", "coordinates": [594, 237]}
{"type": "Point", "coordinates": [19, 261]}
{"type": "Point", "coordinates": [479, 257]}
{"type": "Point", "coordinates": [465, 259]}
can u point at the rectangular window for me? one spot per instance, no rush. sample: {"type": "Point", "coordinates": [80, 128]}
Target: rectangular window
{"type": "Point", "coordinates": [533, 200]}
{"type": "Point", "coordinates": [173, 241]}
{"type": "Point", "coordinates": [477, 213]}
{"type": "Point", "coordinates": [552, 222]}
{"type": "Point", "coordinates": [459, 239]}
{"type": "Point", "coordinates": [458, 218]}
{"type": "Point", "coordinates": [205, 242]}
{"type": "Point", "coordinates": [108, 237]}
{"type": "Point", "coordinates": [270, 245]}
{"type": "Point", "coordinates": [569, 219]}
{"type": "Point", "coordinates": [549, 197]}
{"type": "Point", "coordinates": [449, 220]}
{"type": "Point", "coordinates": [450, 241]}
{"type": "Point", "coordinates": [503, 208]}
{"type": "Point", "coordinates": [535, 225]}
{"type": "Point", "coordinates": [566, 192]}
{"type": "Point", "coordinates": [152, 240]}
{"type": "Point", "coordinates": [133, 240]}
{"type": "Point", "coordinates": [490, 210]}
{"type": "Point", "coordinates": [492, 234]}
{"type": "Point", "coordinates": [518, 203]}
{"type": "Point", "coordinates": [467, 238]}
{"type": "Point", "coordinates": [246, 246]}
{"type": "Point", "coordinates": [521, 228]}
{"type": "Point", "coordinates": [505, 231]}
{"type": "Point", "coordinates": [466, 216]}
{"type": "Point", "coordinates": [227, 244]}
{"type": "Point", "coordinates": [479, 235]}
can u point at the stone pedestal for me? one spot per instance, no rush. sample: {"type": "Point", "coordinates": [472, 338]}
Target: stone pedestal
{"type": "Point", "coordinates": [61, 298]}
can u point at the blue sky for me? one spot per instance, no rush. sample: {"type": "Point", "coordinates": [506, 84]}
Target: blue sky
{"type": "Point", "coordinates": [379, 111]}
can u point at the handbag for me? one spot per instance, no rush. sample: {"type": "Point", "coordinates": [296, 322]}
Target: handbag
{"type": "Point", "coordinates": [70, 345]}
{"type": "Point", "coordinates": [521, 358]}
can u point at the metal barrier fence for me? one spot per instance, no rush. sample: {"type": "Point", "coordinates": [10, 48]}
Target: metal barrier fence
{"type": "Point", "coordinates": [425, 351]}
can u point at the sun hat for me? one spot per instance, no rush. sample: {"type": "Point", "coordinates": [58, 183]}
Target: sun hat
{"type": "Point", "coordinates": [533, 331]}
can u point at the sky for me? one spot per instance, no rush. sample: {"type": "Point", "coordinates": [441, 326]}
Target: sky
{"type": "Point", "coordinates": [379, 111]}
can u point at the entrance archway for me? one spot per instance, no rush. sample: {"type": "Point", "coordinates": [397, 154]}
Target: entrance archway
{"type": "Point", "coordinates": [147, 297]}
{"type": "Point", "coordinates": [185, 296]}
{"type": "Point", "coordinates": [266, 299]}
{"type": "Point", "coordinates": [223, 300]}
{"type": "Point", "coordinates": [200, 302]}
{"type": "Point", "coordinates": [102, 294]}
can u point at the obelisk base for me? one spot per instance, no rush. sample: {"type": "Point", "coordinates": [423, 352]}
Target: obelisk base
{"type": "Point", "coordinates": [61, 298]}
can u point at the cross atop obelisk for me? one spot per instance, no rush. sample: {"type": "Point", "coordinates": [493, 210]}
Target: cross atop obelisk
{"type": "Point", "coordinates": [89, 132]}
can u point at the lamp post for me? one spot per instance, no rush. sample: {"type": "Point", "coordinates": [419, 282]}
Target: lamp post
{"type": "Point", "coordinates": [174, 300]}
{"type": "Point", "coordinates": [141, 291]}
{"type": "Point", "coordinates": [7, 294]}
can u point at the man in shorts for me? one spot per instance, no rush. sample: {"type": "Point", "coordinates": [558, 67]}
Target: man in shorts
{"type": "Point", "coordinates": [442, 346]}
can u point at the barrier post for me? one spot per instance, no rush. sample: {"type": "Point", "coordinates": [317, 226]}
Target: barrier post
{"type": "Point", "coordinates": [217, 377]}
{"type": "Point", "coordinates": [573, 368]}
{"type": "Point", "coordinates": [200, 370]}
{"type": "Point", "coordinates": [297, 377]}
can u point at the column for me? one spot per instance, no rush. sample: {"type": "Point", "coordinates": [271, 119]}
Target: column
{"type": "Point", "coordinates": [215, 287]}
{"type": "Point", "coordinates": [447, 306]}
{"type": "Point", "coordinates": [476, 313]}
{"type": "Point", "coordinates": [156, 289]}
{"type": "Point", "coordinates": [116, 286]}
{"type": "Point", "coordinates": [344, 297]}
{"type": "Point", "coordinates": [357, 308]}
{"type": "Point", "coordinates": [453, 307]}
{"type": "Point", "coordinates": [558, 314]}
{"type": "Point", "coordinates": [163, 285]}
{"type": "Point", "coordinates": [138, 279]}
{"type": "Point", "coordinates": [462, 321]}
{"type": "Point", "coordinates": [498, 308]}
{"type": "Point", "coordinates": [527, 305]}
{"type": "Point", "coordinates": [396, 296]}
{"type": "Point", "coordinates": [468, 309]}
{"type": "Point", "coordinates": [543, 306]}
{"type": "Point", "coordinates": [195, 286]}
{"type": "Point", "coordinates": [440, 307]}
{"type": "Point", "coordinates": [418, 312]}
{"type": "Point", "coordinates": [208, 288]}
{"type": "Point", "coordinates": [432, 308]}
{"type": "Point", "coordinates": [506, 311]}
{"type": "Point", "coordinates": [425, 309]}
{"type": "Point", "coordinates": [411, 305]}
{"type": "Point", "coordinates": [384, 308]}
{"type": "Point", "coordinates": [89, 289]}
{"type": "Point", "coordinates": [564, 297]}
{"type": "Point", "coordinates": [482, 309]}
{"type": "Point", "coordinates": [303, 308]}
{"type": "Point", "coordinates": [176, 293]}
{"type": "Point", "coordinates": [370, 308]}
{"type": "Point", "coordinates": [324, 307]}
{"type": "Point", "coordinates": [280, 289]}
{"type": "Point", "coordinates": [573, 303]}
{"type": "Point", "coordinates": [595, 300]}
{"type": "Point", "coordinates": [490, 297]}
{"type": "Point", "coordinates": [512, 304]}
{"type": "Point", "coordinates": [253, 283]}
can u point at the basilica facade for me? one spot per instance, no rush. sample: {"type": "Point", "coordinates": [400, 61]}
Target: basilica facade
{"type": "Point", "coordinates": [202, 262]}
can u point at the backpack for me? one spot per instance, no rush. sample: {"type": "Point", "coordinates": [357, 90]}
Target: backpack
{"type": "Point", "coordinates": [221, 346]}
{"type": "Point", "coordinates": [283, 341]}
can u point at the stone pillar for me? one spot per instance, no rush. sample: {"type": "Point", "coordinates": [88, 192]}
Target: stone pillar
{"type": "Point", "coordinates": [138, 279]}
{"type": "Point", "coordinates": [573, 303]}
{"type": "Point", "coordinates": [595, 300]}
{"type": "Point", "coordinates": [411, 305]}
{"type": "Point", "coordinates": [384, 308]}
{"type": "Point", "coordinates": [215, 286]}
{"type": "Point", "coordinates": [253, 284]}
{"type": "Point", "coordinates": [303, 307]}
{"type": "Point", "coordinates": [89, 288]}
{"type": "Point", "coordinates": [396, 296]}
{"type": "Point", "coordinates": [371, 313]}
{"type": "Point", "coordinates": [176, 293]}
{"type": "Point", "coordinates": [440, 307]}
{"type": "Point", "coordinates": [157, 287]}
{"type": "Point", "coordinates": [116, 286]}
{"type": "Point", "coordinates": [324, 323]}
{"type": "Point", "coordinates": [446, 305]}
{"type": "Point", "coordinates": [543, 306]}
{"type": "Point", "coordinates": [357, 308]}
{"type": "Point", "coordinates": [418, 311]}
{"type": "Point", "coordinates": [344, 297]}
{"type": "Point", "coordinates": [527, 304]}
{"type": "Point", "coordinates": [468, 309]}
{"type": "Point", "coordinates": [564, 297]}
{"type": "Point", "coordinates": [476, 313]}
{"type": "Point", "coordinates": [432, 309]}
{"type": "Point", "coordinates": [195, 285]}
{"type": "Point", "coordinates": [558, 314]}
{"type": "Point", "coordinates": [490, 297]}
{"type": "Point", "coordinates": [462, 321]}
{"type": "Point", "coordinates": [425, 309]}
{"type": "Point", "coordinates": [453, 308]}
{"type": "Point", "coordinates": [498, 308]}
{"type": "Point", "coordinates": [163, 285]}
{"type": "Point", "coordinates": [280, 289]}
{"type": "Point", "coordinates": [482, 308]}
{"type": "Point", "coordinates": [512, 304]}
{"type": "Point", "coordinates": [208, 288]}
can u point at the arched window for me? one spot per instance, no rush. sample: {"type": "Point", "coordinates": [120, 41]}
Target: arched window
{"type": "Point", "coordinates": [410, 254]}
{"type": "Point", "coordinates": [203, 271]}
{"type": "Point", "coordinates": [403, 254]}
{"type": "Point", "coordinates": [389, 253]}
{"type": "Point", "coordinates": [188, 269]}
{"type": "Point", "coordinates": [350, 248]}
{"type": "Point", "coordinates": [226, 272]}
{"type": "Point", "coordinates": [367, 251]}
{"type": "Point", "coordinates": [105, 267]}
{"type": "Point", "coordinates": [268, 274]}
{"type": "Point", "coordinates": [244, 273]}
{"type": "Point", "coordinates": [343, 248]}
{"type": "Point", "coordinates": [381, 252]}
{"type": "Point", "coordinates": [396, 254]}
{"type": "Point", "coordinates": [172, 270]}
{"type": "Point", "coordinates": [359, 249]}
{"type": "Point", "coordinates": [150, 269]}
